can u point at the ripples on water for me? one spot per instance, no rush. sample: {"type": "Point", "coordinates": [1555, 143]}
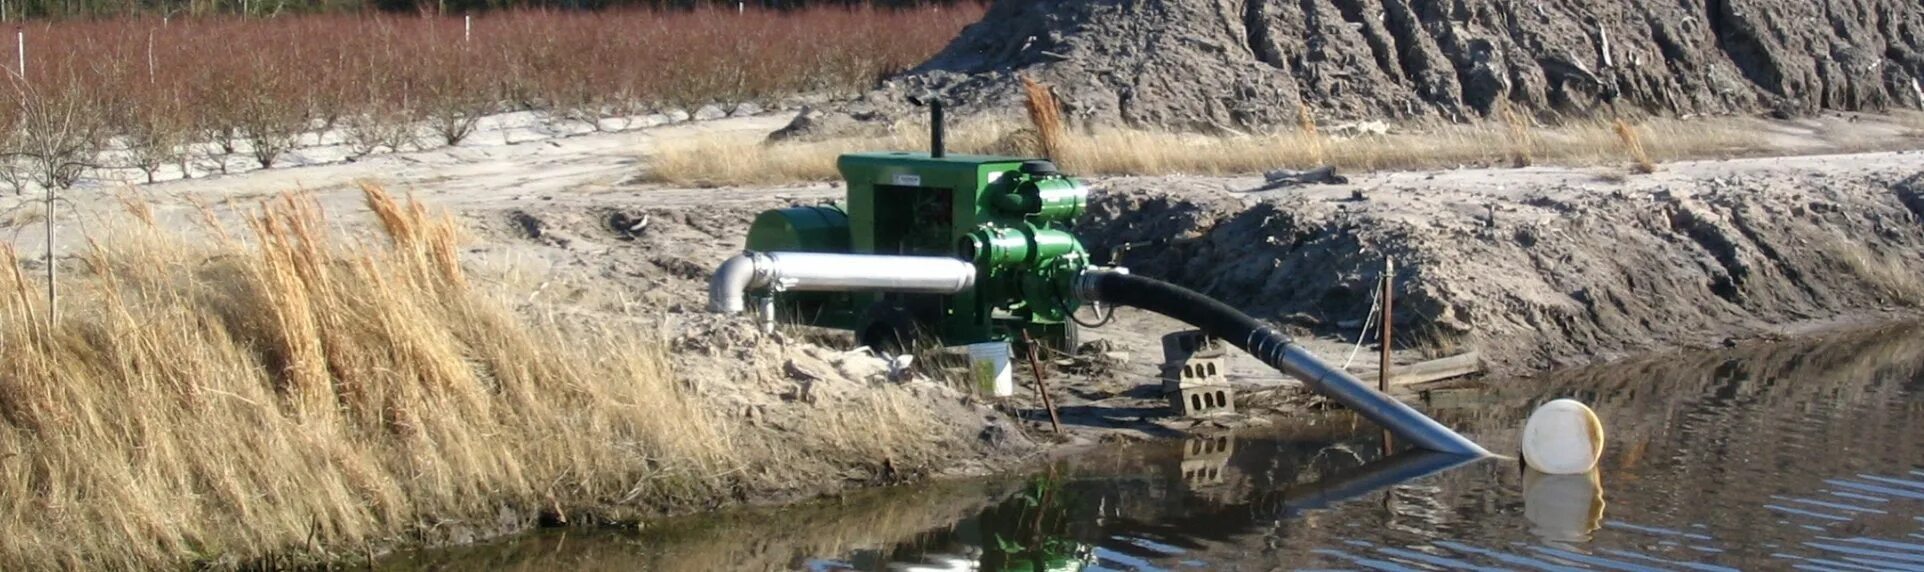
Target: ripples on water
{"type": "Point", "coordinates": [1806, 456]}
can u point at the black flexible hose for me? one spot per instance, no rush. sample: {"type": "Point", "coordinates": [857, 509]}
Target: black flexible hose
{"type": "Point", "coordinates": [1208, 314]}
{"type": "Point", "coordinates": [1279, 351]}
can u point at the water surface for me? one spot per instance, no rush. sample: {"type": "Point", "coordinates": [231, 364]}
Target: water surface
{"type": "Point", "coordinates": [1808, 455]}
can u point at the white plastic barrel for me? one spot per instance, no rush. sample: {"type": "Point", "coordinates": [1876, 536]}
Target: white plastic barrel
{"type": "Point", "coordinates": [989, 368]}
{"type": "Point", "coordinates": [1563, 437]}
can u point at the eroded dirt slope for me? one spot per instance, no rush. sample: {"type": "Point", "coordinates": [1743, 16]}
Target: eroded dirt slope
{"type": "Point", "coordinates": [1218, 65]}
{"type": "Point", "coordinates": [1543, 267]}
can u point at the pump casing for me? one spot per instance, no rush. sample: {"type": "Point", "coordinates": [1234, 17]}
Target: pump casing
{"type": "Point", "coordinates": [1009, 216]}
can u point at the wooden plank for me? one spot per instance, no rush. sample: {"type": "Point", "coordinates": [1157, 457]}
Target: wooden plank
{"type": "Point", "coordinates": [1455, 366]}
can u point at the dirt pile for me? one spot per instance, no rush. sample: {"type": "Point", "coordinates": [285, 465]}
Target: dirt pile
{"type": "Point", "coordinates": [1222, 65]}
{"type": "Point", "coordinates": [1543, 267]}
{"type": "Point", "coordinates": [836, 418]}
{"type": "Point", "coordinates": [829, 418]}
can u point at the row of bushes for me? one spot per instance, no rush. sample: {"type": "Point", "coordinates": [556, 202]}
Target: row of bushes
{"type": "Point", "coordinates": [158, 91]}
{"type": "Point", "coordinates": [112, 8]}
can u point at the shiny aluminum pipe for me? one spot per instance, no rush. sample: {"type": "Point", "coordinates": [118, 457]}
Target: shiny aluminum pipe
{"type": "Point", "coordinates": [823, 272]}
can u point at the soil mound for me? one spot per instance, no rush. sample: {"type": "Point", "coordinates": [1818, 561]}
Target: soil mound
{"type": "Point", "coordinates": [1557, 270]}
{"type": "Point", "coordinates": [1237, 65]}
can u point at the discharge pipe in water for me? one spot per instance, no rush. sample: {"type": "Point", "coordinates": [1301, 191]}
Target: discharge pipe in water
{"type": "Point", "coordinates": [1275, 349]}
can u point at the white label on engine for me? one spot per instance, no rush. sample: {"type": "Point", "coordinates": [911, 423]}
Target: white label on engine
{"type": "Point", "coordinates": [908, 180]}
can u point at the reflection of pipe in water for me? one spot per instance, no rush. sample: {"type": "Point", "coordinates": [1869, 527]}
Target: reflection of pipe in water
{"type": "Point", "coordinates": [1563, 508]}
{"type": "Point", "coordinates": [1406, 466]}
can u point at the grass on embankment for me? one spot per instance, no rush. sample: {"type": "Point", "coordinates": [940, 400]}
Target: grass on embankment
{"type": "Point", "coordinates": [286, 393]}
{"type": "Point", "coordinates": [747, 159]}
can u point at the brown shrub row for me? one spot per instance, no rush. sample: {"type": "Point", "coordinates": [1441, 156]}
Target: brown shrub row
{"type": "Point", "coordinates": [157, 92]}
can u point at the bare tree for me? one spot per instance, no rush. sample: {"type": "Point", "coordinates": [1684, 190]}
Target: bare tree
{"type": "Point", "coordinates": [455, 102]}
{"type": "Point", "coordinates": [60, 134]}
{"type": "Point", "coordinates": [215, 119]}
{"type": "Point", "coordinates": [14, 166]}
{"type": "Point", "coordinates": [272, 126]}
{"type": "Point", "coordinates": [156, 135]}
{"type": "Point", "coordinates": [378, 129]}
{"type": "Point", "coordinates": [454, 119]}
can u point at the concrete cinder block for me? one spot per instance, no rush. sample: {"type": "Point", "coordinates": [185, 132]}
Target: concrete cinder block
{"type": "Point", "coordinates": [1199, 399]}
{"type": "Point", "coordinates": [1195, 371]}
{"type": "Point", "coordinates": [1195, 374]}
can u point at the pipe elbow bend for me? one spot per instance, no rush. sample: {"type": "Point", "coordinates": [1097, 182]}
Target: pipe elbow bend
{"type": "Point", "coordinates": [731, 279]}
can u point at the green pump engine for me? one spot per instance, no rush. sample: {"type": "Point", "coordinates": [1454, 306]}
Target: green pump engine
{"type": "Point", "coordinates": [965, 249]}
{"type": "Point", "coordinates": [1008, 217]}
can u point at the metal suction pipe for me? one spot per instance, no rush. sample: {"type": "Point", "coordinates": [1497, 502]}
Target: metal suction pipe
{"type": "Point", "coordinates": [822, 272]}
{"type": "Point", "coordinates": [1275, 349]}
{"type": "Point", "coordinates": [731, 279]}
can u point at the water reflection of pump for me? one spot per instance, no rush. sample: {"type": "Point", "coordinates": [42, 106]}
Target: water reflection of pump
{"type": "Point", "coordinates": [1033, 531]}
{"type": "Point", "coordinates": [1563, 508]}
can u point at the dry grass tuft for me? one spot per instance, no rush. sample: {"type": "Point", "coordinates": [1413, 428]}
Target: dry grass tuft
{"type": "Point", "coordinates": [1633, 145]}
{"type": "Point", "coordinates": [1306, 123]}
{"type": "Point", "coordinates": [744, 160]}
{"type": "Point", "coordinates": [1522, 140]}
{"type": "Point", "coordinates": [1913, 120]}
{"type": "Point", "coordinates": [1045, 114]}
{"type": "Point", "coordinates": [1433, 342]}
{"type": "Point", "coordinates": [305, 395]}
{"type": "Point", "coordinates": [1885, 272]}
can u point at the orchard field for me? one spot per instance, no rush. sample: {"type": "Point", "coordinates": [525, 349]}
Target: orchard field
{"type": "Point", "coordinates": [198, 94]}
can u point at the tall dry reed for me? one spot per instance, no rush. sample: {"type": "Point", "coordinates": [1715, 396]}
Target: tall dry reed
{"type": "Point", "coordinates": [1633, 146]}
{"type": "Point", "coordinates": [1522, 139]}
{"type": "Point", "coordinates": [284, 392]}
{"type": "Point", "coordinates": [1045, 115]}
{"type": "Point", "coordinates": [1308, 134]}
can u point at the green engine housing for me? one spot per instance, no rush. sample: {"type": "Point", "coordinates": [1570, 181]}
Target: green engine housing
{"type": "Point", "coordinates": [1009, 216]}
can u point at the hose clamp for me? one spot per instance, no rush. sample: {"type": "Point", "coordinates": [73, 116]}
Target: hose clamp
{"type": "Point", "coordinates": [766, 274]}
{"type": "Point", "coordinates": [1085, 283]}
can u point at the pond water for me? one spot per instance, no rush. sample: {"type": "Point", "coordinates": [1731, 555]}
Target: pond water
{"type": "Point", "coordinates": [1807, 455]}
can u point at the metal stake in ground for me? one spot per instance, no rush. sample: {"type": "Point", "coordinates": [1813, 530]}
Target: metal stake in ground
{"type": "Point", "coordinates": [1383, 365]}
{"type": "Point", "coordinates": [1041, 387]}
{"type": "Point", "coordinates": [1388, 297]}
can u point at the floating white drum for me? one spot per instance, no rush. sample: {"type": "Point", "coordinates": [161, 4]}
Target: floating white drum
{"type": "Point", "coordinates": [1563, 437]}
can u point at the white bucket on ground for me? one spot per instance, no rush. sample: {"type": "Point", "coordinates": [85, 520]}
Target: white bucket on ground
{"type": "Point", "coordinates": [989, 368]}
